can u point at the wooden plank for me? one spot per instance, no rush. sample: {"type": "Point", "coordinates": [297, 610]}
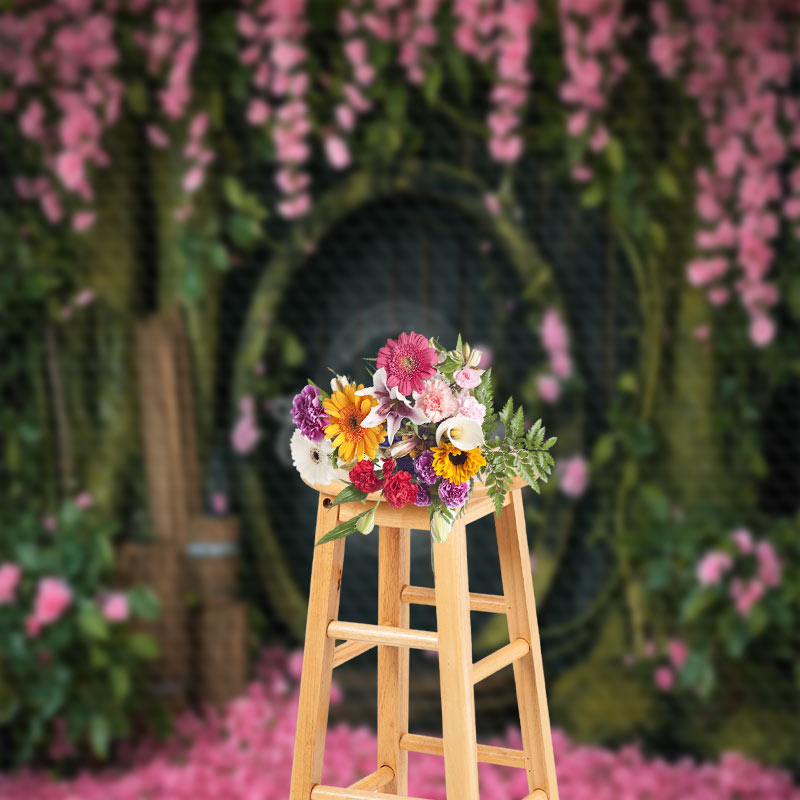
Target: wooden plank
{"type": "Point", "coordinates": [382, 634]}
{"type": "Point", "coordinates": [212, 558]}
{"type": "Point", "coordinates": [455, 665]}
{"type": "Point", "coordinates": [537, 795]}
{"type": "Point", "coordinates": [394, 572]}
{"type": "Point", "coordinates": [168, 425]}
{"type": "Point", "coordinates": [386, 516]}
{"type": "Point", "coordinates": [423, 596]}
{"type": "Point", "coordinates": [348, 651]}
{"type": "Point", "coordinates": [332, 793]}
{"type": "Point", "coordinates": [377, 780]}
{"type": "Point", "coordinates": [500, 658]}
{"type": "Point", "coordinates": [315, 681]}
{"type": "Point", "coordinates": [512, 543]}
{"type": "Point", "coordinates": [487, 754]}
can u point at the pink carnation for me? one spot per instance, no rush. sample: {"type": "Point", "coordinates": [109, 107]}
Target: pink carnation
{"type": "Point", "coordinates": [115, 607]}
{"type": "Point", "coordinates": [436, 400]}
{"type": "Point", "coordinates": [469, 407]}
{"type": "Point", "coordinates": [10, 575]}
{"type": "Point", "coordinates": [712, 567]}
{"type": "Point", "coordinates": [467, 378]}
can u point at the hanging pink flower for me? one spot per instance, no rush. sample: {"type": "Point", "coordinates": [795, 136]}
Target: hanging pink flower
{"type": "Point", "coordinates": [574, 473]}
{"type": "Point", "coordinates": [769, 565]}
{"type": "Point", "coordinates": [746, 594]}
{"type": "Point", "coordinates": [10, 575]}
{"type": "Point", "coordinates": [664, 678]}
{"type": "Point", "coordinates": [548, 388]}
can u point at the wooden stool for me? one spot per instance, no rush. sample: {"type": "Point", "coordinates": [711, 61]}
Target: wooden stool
{"type": "Point", "coordinates": [393, 637]}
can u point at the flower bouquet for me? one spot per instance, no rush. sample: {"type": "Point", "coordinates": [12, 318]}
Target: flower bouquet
{"type": "Point", "coordinates": [423, 433]}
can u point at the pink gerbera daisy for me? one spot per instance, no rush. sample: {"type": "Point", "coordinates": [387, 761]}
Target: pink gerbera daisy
{"type": "Point", "coordinates": [408, 362]}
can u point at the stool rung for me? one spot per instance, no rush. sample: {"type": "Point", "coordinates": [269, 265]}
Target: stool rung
{"type": "Point", "coordinates": [349, 650]}
{"type": "Point", "coordinates": [383, 634]}
{"type": "Point", "coordinates": [512, 652]}
{"type": "Point", "coordinates": [320, 792]}
{"type": "Point", "coordinates": [377, 780]}
{"type": "Point", "coordinates": [423, 596]}
{"type": "Point", "coordinates": [487, 754]}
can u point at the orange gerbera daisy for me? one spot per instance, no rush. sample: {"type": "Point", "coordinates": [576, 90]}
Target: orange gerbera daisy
{"type": "Point", "coordinates": [346, 412]}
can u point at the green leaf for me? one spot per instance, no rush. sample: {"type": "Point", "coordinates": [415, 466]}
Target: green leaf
{"type": "Point", "coordinates": [593, 196]}
{"type": "Point", "coordinates": [459, 69]}
{"type": "Point", "coordinates": [615, 155]}
{"type": "Point", "coordinates": [143, 645]}
{"type": "Point", "coordinates": [696, 603]}
{"type": "Point", "coordinates": [91, 621]}
{"type": "Point", "coordinates": [120, 683]}
{"type": "Point", "coordinates": [603, 450]}
{"type": "Point", "coordinates": [348, 494]}
{"type": "Point", "coordinates": [345, 529]}
{"type": "Point", "coordinates": [433, 82]}
{"type": "Point", "coordinates": [144, 603]}
{"type": "Point", "coordinates": [99, 734]}
{"type": "Point", "coordinates": [667, 183]}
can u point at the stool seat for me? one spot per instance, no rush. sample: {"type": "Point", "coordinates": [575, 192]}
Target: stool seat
{"type": "Point", "coordinates": [394, 637]}
{"type": "Point", "coordinates": [414, 517]}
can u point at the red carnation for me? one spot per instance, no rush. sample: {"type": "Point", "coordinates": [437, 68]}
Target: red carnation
{"type": "Point", "coordinates": [399, 490]}
{"type": "Point", "coordinates": [364, 478]}
{"type": "Point", "coordinates": [388, 467]}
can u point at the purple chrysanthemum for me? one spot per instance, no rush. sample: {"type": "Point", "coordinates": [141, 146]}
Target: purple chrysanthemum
{"type": "Point", "coordinates": [423, 498]}
{"type": "Point", "coordinates": [308, 414]}
{"type": "Point", "coordinates": [454, 495]}
{"type": "Point", "coordinates": [423, 466]}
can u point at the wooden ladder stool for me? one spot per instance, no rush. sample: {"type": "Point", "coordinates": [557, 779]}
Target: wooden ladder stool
{"type": "Point", "coordinates": [393, 638]}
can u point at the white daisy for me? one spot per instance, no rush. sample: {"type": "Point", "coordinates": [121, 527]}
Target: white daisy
{"type": "Point", "coordinates": [312, 459]}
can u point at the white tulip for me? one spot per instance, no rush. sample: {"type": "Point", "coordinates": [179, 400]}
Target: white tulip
{"type": "Point", "coordinates": [440, 528]}
{"type": "Point", "coordinates": [463, 432]}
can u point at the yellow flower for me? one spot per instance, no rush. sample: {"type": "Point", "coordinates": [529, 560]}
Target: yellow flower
{"type": "Point", "coordinates": [457, 466]}
{"type": "Point", "coordinates": [346, 412]}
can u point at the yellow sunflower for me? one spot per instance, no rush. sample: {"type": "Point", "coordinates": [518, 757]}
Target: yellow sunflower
{"type": "Point", "coordinates": [457, 466]}
{"type": "Point", "coordinates": [346, 412]}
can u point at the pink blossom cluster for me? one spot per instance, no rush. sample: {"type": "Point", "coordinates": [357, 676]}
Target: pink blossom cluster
{"type": "Point", "coordinates": [417, 34]}
{"type": "Point", "coordinates": [171, 47]}
{"type": "Point", "coordinates": [554, 339]}
{"type": "Point", "coordinates": [673, 658]}
{"type": "Point", "coordinates": [500, 34]}
{"type": "Point", "coordinates": [591, 31]}
{"type": "Point", "coordinates": [59, 59]}
{"type": "Point", "coordinates": [273, 32]}
{"type": "Point", "coordinates": [737, 62]}
{"type": "Point", "coordinates": [513, 35]}
{"type": "Point", "coordinates": [246, 752]}
{"type": "Point", "coordinates": [745, 592]}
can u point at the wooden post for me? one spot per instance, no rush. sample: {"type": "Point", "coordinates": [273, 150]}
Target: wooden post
{"type": "Point", "coordinates": [315, 683]}
{"type": "Point", "coordinates": [394, 572]}
{"type": "Point", "coordinates": [512, 544]}
{"type": "Point", "coordinates": [455, 665]}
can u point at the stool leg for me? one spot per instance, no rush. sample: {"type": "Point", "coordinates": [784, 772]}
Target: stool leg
{"type": "Point", "coordinates": [394, 572]}
{"type": "Point", "coordinates": [455, 665]}
{"type": "Point", "coordinates": [512, 544]}
{"type": "Point", "coordinates": [315, 683]}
